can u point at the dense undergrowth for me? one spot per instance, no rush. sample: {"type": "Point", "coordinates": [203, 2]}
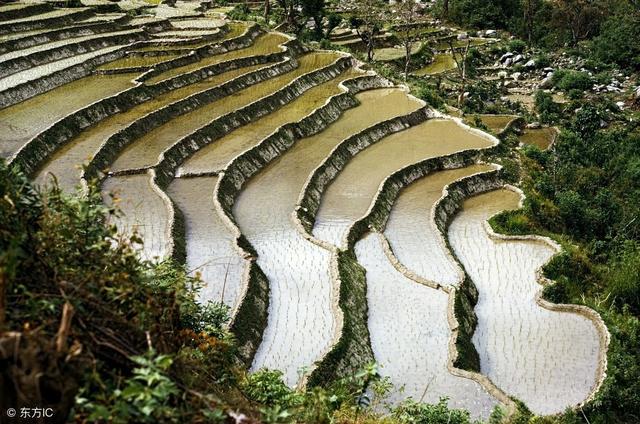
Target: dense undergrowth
{"type": "Point", "coordinates": [584, 193]}
{"type": "Point", "coordinates": [97, 334]}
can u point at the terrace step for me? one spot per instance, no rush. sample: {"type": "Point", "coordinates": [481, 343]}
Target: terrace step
{"type": "Point", "coordinates": [31, 82]}
{"type": "Point", "coordinates": [41, 54]}
{"type": "Point", "coordinates": [300, 286]}
{"type": "Point", "coordinates": [14, 11]}
{"type": "Point", "coordinates": [56, 17]}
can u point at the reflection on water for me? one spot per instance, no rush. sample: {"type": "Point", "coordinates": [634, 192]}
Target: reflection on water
{"type": "Point", "coordinates": [547, 359]}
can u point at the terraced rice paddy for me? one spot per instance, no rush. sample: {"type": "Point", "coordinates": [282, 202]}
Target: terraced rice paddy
{"type": "Point", "coordinates": [412, 232]}
{"type": "Point", "coordinates": [442, 62]}
{"type": "Point", "coordinates": [350, 194]}
{"type": "Point", "coordinates": [260, 157]}
{"type": "Point", "coordinates": [546, 358]}
{"type": "Point", "coordinates": [542, 138]}
{"type": "Point", "coordinates": [301, 287]}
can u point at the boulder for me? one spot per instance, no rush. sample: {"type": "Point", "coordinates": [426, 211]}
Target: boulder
{"type": "Point", "coordinates": [530, 64]}
{"type": "Point", "coordinates": [516, 76]}
{"type": "Point", "coordinates": [518, 58]}
{"type": "Point", "coordinates": [506, 56]}
{"type": "Point", "coordinates": [637, 93]}
{"type": "Point", "coordinates": [502, 74]}
{"type": "Point", "coordinates": [546, 83]}
{"type": "Point", "coordinates": [490, 33]}
{"type": "Point", "coordinates": [534, 125]}
{"type": "Point", "coordinates": [463, 36]}
{"type": "Point", "coordinates": [508, 62]}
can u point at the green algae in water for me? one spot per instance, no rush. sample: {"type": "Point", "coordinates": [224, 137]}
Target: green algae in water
{"type": "Point", "coordinates": [442, 62]}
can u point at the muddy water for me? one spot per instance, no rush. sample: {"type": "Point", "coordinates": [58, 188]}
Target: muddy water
{"type": "Point", "coordinates": [495, 123]}
{"type": "Point", "coordinates": [540, 137]}
{"type": "Point", "coordinates": [143, 212]}
{"type": "Point", "coordinates": [301, 323]}
{"type": "Point", "coordinates": [265, 44]}
{"type": "Point", "coordinates": [146, 150]}
{"type": "Point", "coordinates": [136, 61]}
{"type": "Point", "coordinates": [414, 237]}
{"type": "Point", "coordinates": [410, 336]}
{"type": "Point", "coordinates": [23, 121]}
{"type": "Point", "coordinates": [235, 30]}
{"type": "Point", "coordinates": [215, 156]}
{"type": "Point", "coordinates": [210, 244]}
{"type": "Point", "coordinates": [442, 62]}
{"type": "Point", "coordinates": [547, 359]}
{"type": "Point", "coordinates": [64, 163]}
{"type": "Point", "coordinates": [352, 191]}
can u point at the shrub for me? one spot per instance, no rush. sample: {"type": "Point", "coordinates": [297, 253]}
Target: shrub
{"type": "Point", "coordinates": [569, 79]}
{"type": "Point", "coordinates": [547, 109]}
{"type": "Point", "coordinates": [517, 46]}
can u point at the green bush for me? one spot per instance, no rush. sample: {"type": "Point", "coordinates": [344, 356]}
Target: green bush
{"type": "Point", "coordinates": [547, 109]}
{"type": "Point", "coordinates": [571, 80]}
{"type": "Point", "coordinates": [517, 46]}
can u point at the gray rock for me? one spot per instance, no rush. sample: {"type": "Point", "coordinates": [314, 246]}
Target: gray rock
{"type": "Point", "coordinates": [506, 56]}
{"type": "Point", "coordinates": [508, 62]}
{"type": "Point", "coordinates": [613, 89]}
{"type": "Point", "coordinates": [534, 125]}
{"type": "Point", "coordinates": [546, 83]}
{"type": "Point", "coordinates": [518, 58]}
{"type": "Point", "coordinates": [502, 74]}
{"type": "Point", "coordinates": [516, 76]}
{"type": "Point", "coordinates": [530, 64]}
{"type": "Point", "coordinates": [637, 93]}
{"type": "Point", "coordinates": [463, 36]}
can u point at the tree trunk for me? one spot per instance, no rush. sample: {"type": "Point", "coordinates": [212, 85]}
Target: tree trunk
{"type": "Point", "coordinates": [407, 59]}
{"type": "Point", "coordinates": [267, 10]}
{"type": "Point", "coordinates": [370, 48]}
{"type": "Point", "coordinates": [445, 9]}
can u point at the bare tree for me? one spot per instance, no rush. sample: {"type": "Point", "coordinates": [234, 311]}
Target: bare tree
{"type": "Point", "coordinates": [462, 65]}
{"type": "Point", "coordinates": [267, 10]}
{"type": "Point", "coordinates": [580, 17]}
{"type": "Point", "coordinates": [405, 14]}
{"type": "Point", "coordinates": [367, 18]}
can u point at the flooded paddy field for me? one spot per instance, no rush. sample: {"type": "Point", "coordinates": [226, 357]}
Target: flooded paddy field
{"type": "Point", "coordinates": [210, 244]}
{"type": "Point", "coordinates": [412, 233]}
{"type": "Point", "coordinates": [410, 336]}
{"type": "Point", "coordinates": [542, 138]}
{"type": "Point", "coordinates": [442, 62]}
{"type": "Point", "coordinates": [543, 355]}
{"type": "Point", "coordinates": [144, 212]}
{"type": "Point", "coordinates": [23, 121]}
{"type": "Point", "coordinates": [265, 44]}
{"type": "Point", "coordinates": [215, 156]}
{"type": "Point", "coordinates": [301, 318]}
{"type": "Point", "coordinates": [146, 150]}
{"type": "Point", "coordinates": [350, 194]}
{"type": "Point", "coordinates": [83, 147]}
{"type": "Point", "coordinates": [547, 359]}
